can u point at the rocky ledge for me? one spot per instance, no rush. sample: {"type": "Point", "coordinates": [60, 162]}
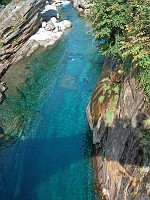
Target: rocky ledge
{"type": "Point", "coordinates": [18, 21]}
{"type": "Point", "coordinates": [118, 115]}
{"type": "Point", "coordinates": [83, 6]}
{"type": "Point", "coordinates": [27, 25]}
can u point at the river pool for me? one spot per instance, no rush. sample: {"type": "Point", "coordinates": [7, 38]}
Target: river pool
{"type": "Point", "coordinates": [45, 105]}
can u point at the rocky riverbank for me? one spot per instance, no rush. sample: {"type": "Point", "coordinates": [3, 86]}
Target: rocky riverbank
{"type": "Point", "coordinates": [118, 115]}
{"type": "Point", "coordinates": [18, 21]}
{"type": "Point", "coordinates": [27, 25]}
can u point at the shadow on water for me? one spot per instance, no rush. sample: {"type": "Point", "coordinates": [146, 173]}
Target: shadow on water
{"type": "Point", "coordinates": [49, 163]}
{"type": "Point", "coordinates": [45, 103]}
{"type": "Point", "coordinates": [1, 130]}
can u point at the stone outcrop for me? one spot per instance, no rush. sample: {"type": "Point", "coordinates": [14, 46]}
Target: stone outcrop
{"type": "Point", "coordinates": [18, 21]}
{"type": "Point", "coordinates": [52, 29]}
{"type": "Point", "coordinates": [20, 32]}
{"type": "Point", "coordinates": [119, 136]}
{"type": "Point", "coordinates": [83, 6]}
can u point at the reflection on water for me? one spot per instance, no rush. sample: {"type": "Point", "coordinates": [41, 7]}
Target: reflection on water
{"type": "Point", "coordinates": [45, 104]}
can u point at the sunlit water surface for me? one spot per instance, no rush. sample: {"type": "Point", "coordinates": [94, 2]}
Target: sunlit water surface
{"type": "Point", "coordinates": [46, 103]}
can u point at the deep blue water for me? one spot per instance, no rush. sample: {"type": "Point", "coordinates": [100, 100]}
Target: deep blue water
{"type": "Point", "coordinates": [48, 99]}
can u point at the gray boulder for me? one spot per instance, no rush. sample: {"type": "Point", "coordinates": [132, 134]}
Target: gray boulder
{"type": "Point", "coordinates": [50, 26]}
{"type": "Point", "coordinates": [81, 3]}
{"type": "Point", "coordinates": [83, 6]}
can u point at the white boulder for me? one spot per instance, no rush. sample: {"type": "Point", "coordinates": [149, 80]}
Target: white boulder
{"type": "Point", "coordinates": [46, 38]}
{"type": "Point", "coordinates": [50, 26]}
{"type": "Point", "coordinates": [44, 24]}
{"type": "Point", "coordinates": [63, 25]}
{"type": "Point", "coordinates": [53, 19]}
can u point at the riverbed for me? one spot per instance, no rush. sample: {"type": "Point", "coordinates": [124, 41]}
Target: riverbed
{"type": "Point", "coordinates": [45, 106]}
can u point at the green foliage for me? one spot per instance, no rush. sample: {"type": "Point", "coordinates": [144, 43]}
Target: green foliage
{"type": "Point", "coordinates": [13, 27]}
{"type": "Point", "coordinates": [105, 87]}
{"type": "Point", "coordinates": [109, 20]}
{"type": "Point", "coordinates": [1, 43]}
{"type": "Point", "coordinates": [5, 2]}
{"type": "Point", "coordinates": [101, 99]}
{"type": "Point", "coordinates": [105, 79]}
{"type": "Point", "coordinates": [144, 74]}
{"type": "Point", "coordinates": [125, 27]}
{"type": "Point", "coordinates": [109, 116]}
{"type": "Point", "coordinates": [145, 143]}
{"type": "Point", "coordinates": [110, 112]}
{"type": "Point", "coordinates": [109, 98]}
{"type": "Point", "coordinates": [145, 140]}
{"type": "Point", "coordinates": [116, 89]}
{"type": "Point", "coordinates": [146, 123]}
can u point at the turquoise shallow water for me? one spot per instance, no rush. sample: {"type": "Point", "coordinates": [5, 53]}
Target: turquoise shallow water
{"type": "Point", "coordinates": [46, 104]}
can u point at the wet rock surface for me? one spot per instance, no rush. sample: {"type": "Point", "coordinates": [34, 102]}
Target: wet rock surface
{"type": "Point", "coordinates": [122, 164]}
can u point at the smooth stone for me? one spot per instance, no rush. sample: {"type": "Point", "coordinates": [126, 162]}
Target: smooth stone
{"type": "Point", "coordinates": [63, 25]}
{"type": "Point", "coordinates": [50, 26]}
{"type": "Point", "coordinates": [53, 19]}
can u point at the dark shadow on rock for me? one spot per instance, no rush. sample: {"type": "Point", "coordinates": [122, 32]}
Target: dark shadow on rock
{"type": "Point", "coordinates": [121, 146]}
{"type": "Point", "coordinates": [130, 151]}
{"type": "Point", "coordinates": [49, 14]}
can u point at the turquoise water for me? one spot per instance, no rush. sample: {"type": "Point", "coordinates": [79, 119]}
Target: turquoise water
{"type": "Point", "coordinates": [45, 104]}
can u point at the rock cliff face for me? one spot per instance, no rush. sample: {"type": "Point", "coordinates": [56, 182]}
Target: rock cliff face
{"type": "Point", "coordinates": [22, 31]}
{"type": "Point", "coordinates": [116, 115]}
{"type": "Point", "coordinates": [18, 21]}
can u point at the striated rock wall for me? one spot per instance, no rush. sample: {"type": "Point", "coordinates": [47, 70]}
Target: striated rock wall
{"type": "Point", "coordinates": [23, 30]}
{"type": "Point", "coordinates": [123, 161]}
{"type": "Point", "coordinates": [18, 21]}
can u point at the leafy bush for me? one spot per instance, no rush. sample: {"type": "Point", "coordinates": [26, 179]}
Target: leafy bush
{"type": "Point", "coordinates": [116, 89]}
{"type": "Point", "coordinates": [109, 116]}
{"type": "Point", "coordinates": [125, 27]}
{"type": "Point", "coordinates": [101, 99]}
{"type": "Point", "coordinates": [109, 95]}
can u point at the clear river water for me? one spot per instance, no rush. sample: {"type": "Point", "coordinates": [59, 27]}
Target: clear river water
{"type": "Point", "coordinates": [45, 105]}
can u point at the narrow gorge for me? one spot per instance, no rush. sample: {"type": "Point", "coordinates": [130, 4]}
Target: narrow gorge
{"type": "Point", "coordinates": [46, 147]}
{"type": "Point", "coordinates": [73, 125]}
